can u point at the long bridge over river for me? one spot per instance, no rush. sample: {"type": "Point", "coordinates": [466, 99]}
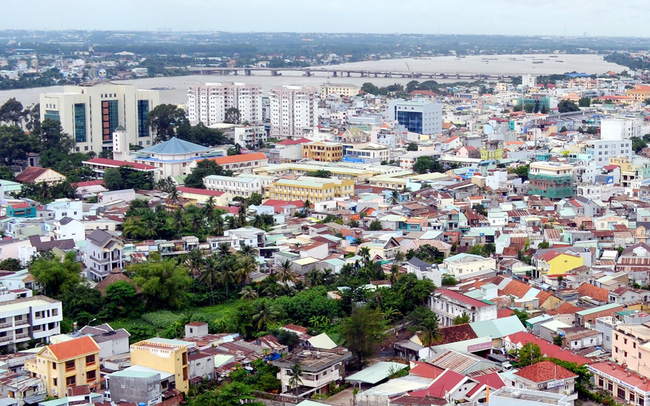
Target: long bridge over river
{"type": "Point", "coordinates": [342, 72]}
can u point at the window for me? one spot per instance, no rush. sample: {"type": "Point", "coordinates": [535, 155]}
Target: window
{"type": "Point", "coordinates": [71, 381]}
{"type": "Point", "coordinates": [90, 360]}
{"type": "Point", "coordinates": [69, 365]}
{"type": "Point", "coordinates": [91, 375]}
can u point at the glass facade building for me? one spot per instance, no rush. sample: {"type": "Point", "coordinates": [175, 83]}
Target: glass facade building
{"type": "Point", "coordinates": [80, 122]}
{"type": "Point", "coordinates": [110, 119]}
{"type": "Point", "coordinates": [143, 111]}
{"type": "Point", "coordinates": [412, 120]}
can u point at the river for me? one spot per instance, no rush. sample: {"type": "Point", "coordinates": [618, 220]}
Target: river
{"type": "Point", "coordinates": [175, 88]}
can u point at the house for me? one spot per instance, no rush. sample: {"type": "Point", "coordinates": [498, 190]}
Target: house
{"type": "Point", "coordinates": [617, 380]}
{"type": "Point", "coordinates": [635, 261]}
{"type": "Point", "coordinates": [448, 304]}
{"type": "Point", "coordinates": [250, 236]}
{"type": "Point", "coordinates": [111, 342]}
{"type": "Point", "coordinates": [174, 157]}
{"type": "Point", "coordinates": [588, 317]}
{"type": "Point", "coordinates": [104, 252]}
{"type": "Point", "coordinates": [548, 376]}
{"type": "Point", "coordinates": [67, 229]}
{"type": "Point", "coordinates": [169, 357]}
{"type": "Point", "coordinates": [67, 364]}
{"type": "Point", "coordinates": [320, 369]}
{"type": "Point", "coordinates": [424, 270]}
{"type": "Point", "coordinates": [242, 163]}
{"type": "Point", "coordinates": [30, 318]}
{"type": "Point", "coordinates": [555, 263]}
{"type": "Point", "coordinates": [19, 389]}
{"type": "Point", "coordinates": [21, 210]}
{"type": "Point", "coordinates": [627, 340]}
{"type": "Point", "coordinates": [35, 174]}
{"type": "Point", "coordinates": [465, 266]}
{"type": "Point", "coordinates": [202, 196]}
{"type": "Point", "coordinates": [134, 386]}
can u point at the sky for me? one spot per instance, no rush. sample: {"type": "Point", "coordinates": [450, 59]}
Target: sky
{"type": "Point", "coordinates": [500, 17]}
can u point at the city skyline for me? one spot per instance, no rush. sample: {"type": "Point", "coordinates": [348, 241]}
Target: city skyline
{"type": "Point", "coordinates": [499, 17]}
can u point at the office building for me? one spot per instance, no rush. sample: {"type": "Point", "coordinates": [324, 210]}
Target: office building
{"type": "Point", "coordinates": [30, 318]}
{"type": "Point", "coordinates": [529, 81]}
{"type": "Point", "coordinates": [294, 109]}
{"type": "Point", "coordinates": [207, 103]}
{"type": "Point", "coordinates": [418, 116]}
{"type": "Point", "coordinates": [91, 113]}
{"type": "Point", "coordinates": [338, 89]}
{"type": "Point", "coordinates": [552, 180]}
{"type": "Point", "coordinates": [615, 129]}
{"type": "Point", "coordinates": [241, 186]}
{"type": "Point", "coordinates": [323, 151]}
{"type": "Point", "coordinates": [602, 150]}
{"type": "Point", "coordinates": [309, 188]}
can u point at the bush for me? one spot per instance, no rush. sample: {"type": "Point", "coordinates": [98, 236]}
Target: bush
{"type": "Point", "coordinates": [161, 319]}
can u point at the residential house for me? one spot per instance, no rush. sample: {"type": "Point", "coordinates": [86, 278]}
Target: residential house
{"type": "Point", "coordinates": [465, 266]}
{"type": "Point", "coordinates": [35, 174]}
{"type": "Point", "coordinates": [111, 342]}
{"type": "Point", "coordinates": [167, 356]}
{"type": "Point", "coordinates": [30, 318]}
{"type": "Point", "coordinates": [448, 305]}
{"type": "Point", "coordinates": [320, 369]}
{"type": "Point", "coordinates": [547, 376]}
{"type": "Point", "coordinates": [104, 252]}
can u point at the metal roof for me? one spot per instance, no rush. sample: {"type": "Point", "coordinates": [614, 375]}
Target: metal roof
{"type": "Point", "coordinates": [174, 146]}
{"type": "Point", "coordinates": [376, 373]}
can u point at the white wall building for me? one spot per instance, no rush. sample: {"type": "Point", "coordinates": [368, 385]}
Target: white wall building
{"type": "Point", "coordinates": [91, 113]}
{"type": "Point", "coordinates": [602, 150]}
{"type": "Point", "coordinates": [242, 186]}
{"type": "Point", "coordinates": [448, 305]}
{"type": "Point", "coordinates": [208, 103]}
{"type": "Point", "coordinates": [418, 116]}
{"type": "Point", "coordinates": [620, 128]}
{"type": "Point", "coordinates": [464, 266]}
{"type": "Point", "coordinates": [294, 109]}
{"type": "Point", "coordinates": [24, 319]}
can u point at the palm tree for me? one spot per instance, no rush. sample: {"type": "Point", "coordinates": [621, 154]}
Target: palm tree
{"type": "Point", "coordinates": [307, 206]}
{"type": "Point", "coordinates": [148, 223]}
{"type": "Point", "coordinates": [179, 221]}
{"type": "Point", "coordinates": [210, 275]}
{"type": "Point", "coordinates": [248, 293]}
{"type": "Point", "coordinates": [243, 268]}
{"type": "Point", "coordinates": [429, 332]}
{"type": "Point", "coordinates": [195, 262]}
{"type": "Point", "coordinates": [285, 274]}
{"type": "Point", "coordinates": [247, 250]}
{"type": "Point", "coordinates": [225, 274]}
{"type": "Point", "coordinates": [218, 226]}
{"type": "Point", "coordinates": [263, 314]}
{"type": "Point", "coordinates": [208, 209]}
{"type": "Point", "coordinates": [196, 221]}
{"type": "Point", "coordinates": [314, 277]}
{"type": "Point", "coordinates": [296, 376]}
{"type": "Point", "coordinates": [173, 193]}
{"type": "Point", "coordinates": [223, 250]}
{"type": "Point", "coordinates": [131, 228]}
{"type": "Point", "coordinates": [395, 197]}
{"type": "Point", "coordinates": [242, 214]}
{"type": "Point", "coordinates": [364, 253]}
{"type": "Point", "coordinates": [394, 271]}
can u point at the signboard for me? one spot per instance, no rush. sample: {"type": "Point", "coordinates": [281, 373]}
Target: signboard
{"type": "Point", "coordinates": [479, 347]}
{"type": "Point", "coordinates": [555, 384]}
{"type": "Point", "coordinates": [101, 73]}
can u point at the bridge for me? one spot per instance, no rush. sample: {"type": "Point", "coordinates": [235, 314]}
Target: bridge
{"type": "Point", "coordinates": [339, 72]}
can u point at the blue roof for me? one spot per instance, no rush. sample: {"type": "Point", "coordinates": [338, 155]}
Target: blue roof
{"type": "Point", "coordinates": [175, 146]}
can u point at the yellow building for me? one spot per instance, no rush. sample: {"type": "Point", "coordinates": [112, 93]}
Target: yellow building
{"type": "Point", "coordinates": [338, 89]}
{"type": "Point", "coordinates": [491, 154]}
{"type": "Point", "coordinates": [63, 365]}
{"type": "Point", "coordinates": [341, 172]}
{"type": "Point", "coordinates": [309, 188]}
{"type": "Point", "coordinates": [639, 93]}
{"type": "Point", "coordinates": [556, 263]}
{"type": "Point", "coordinates": [323, 151]}
{"type": "Point", "coordinates": [163, 355]}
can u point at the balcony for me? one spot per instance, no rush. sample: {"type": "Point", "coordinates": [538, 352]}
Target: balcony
{"type": "Point", "coordinates": [22, 335]}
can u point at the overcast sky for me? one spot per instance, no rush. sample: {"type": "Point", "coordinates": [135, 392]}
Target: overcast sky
{"type": "Point", "coordinates": [522, 17]}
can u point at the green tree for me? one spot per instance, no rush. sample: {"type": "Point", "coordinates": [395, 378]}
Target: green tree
{"type": "Point", "coordinates": [638, 144]}
{"type": "Point", "coordinates": [544, 109]}
{"type": "Point", "coordinates": [528, 108]}
{"type": "Point", "coordinates": [558, 340]}
{"type": "Point", "coordinates": [82, 304]}
{"type": "Point", "coordinates": [255, 199]}
{"type": "Point", "coordinates": [584, 102]}
{"type": "Point", "coordinates": [166, 120]}
{"type": "Point", "coordinates": [543, 245]}
{"type": "Point", "coordinates": [566, 106]}
{"type": "Point", "coordinates": [56, 276]}
{"type": "Point", "coordinates": [522, 315]}
{"type": "Point", "coordinates": [528, 354]}
{"type": "Point", "coordinates": [412, 147]}
{"type": "Point", "coordinates": [11, 112]}
{"type": "Point", "coordinates": [375, 225]}
{"type": "Point", "coordinates": [462, 319]}
{"type": "Point", "coordinates": [449, 280]}
{"type": "Point", "coordinates": [163, 282]}
{"type": "Point", "coordinates": [121, 301]}
{"type": "Point", "coordinates": [264, 313]}
{"type": "Point", "coordinates": [296, 376]}
{"type": "Point", "coordinates": [321, 173]}
{"type": "Point", "coordinates": [204, 168]}
{"type": "Point", "coordinates": [11, 264]}
{"type": "Point", "coordinates": [232, 116]}
{"type": "Point", "coordinates": [363, 331]}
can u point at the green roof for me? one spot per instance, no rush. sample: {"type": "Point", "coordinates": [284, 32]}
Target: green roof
{"type": "Point", "coordinates": [174, 146]}
{"type": "Point", "coordinates": [498, 328]}
{"type": "Point", "coordinates": [598, 309]}
{"type": "Point", "coordinates": [376, 373]}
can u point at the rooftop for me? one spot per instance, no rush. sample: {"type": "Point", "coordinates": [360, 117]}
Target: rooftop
{"type": "Point", "coordinates": [312, 361]}
{"type": "Point", "coordinates": [175, 146]}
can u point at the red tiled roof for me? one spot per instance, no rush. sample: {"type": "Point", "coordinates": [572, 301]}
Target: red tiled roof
{"type": "Point", "coordinates": [443, 384]}
{"type": "Point", "coordinates": [600, 294]}
{"type": "Point", "coordinates": [545, 371]}
{"type": "Point", "coordinates": [566, 308]}
{"type": "Point", "coordinates": [424, 370]}
{"type": "Point", "coordinates": [116, 164]}
{"type": "Point", "coordinates": [621, 373]}
{"type": "Point", "coordinates": [516, 289]}
{"type": "Point", "coordinates": [503, 313]}
{"type": "Point", "coordinates": [302, 140]}
{"type": "Point", "coordinates": [197, 191]}
{"type": "Point", "coordinates": [547, 349]}
{"type": "Point", "coordinates": [89, 183]}
{"type": "Point", "coordinates": [73, 348]}
{"type": "Point", "coordinates": [224, 160]}
{"type": "Point", "coordinates": [21, 205]}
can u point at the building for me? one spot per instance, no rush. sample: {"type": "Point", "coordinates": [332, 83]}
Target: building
{"type": "Point", "coordinates": [323, 151]}
{"type": "Point", "coordinates": [91, 113]}
{"type": "Point", "coordinates": [529, 81]}
{"type": "Point", "coordinates": [338, 89]}
{"type": "Point", "coordinates": [547, 376]}
{"type": "Point", "coordinates": [627, 340]}
{"type": "Point", "coordinates": [202, 196]}
{"type": "Point", "coordinates": [99, 166]}
{"type": "Point", "coordinates": [111, 342]}
{"type": "Point", "coordinates": [617, 129]}
{"type": "Point", "coordinates": [35, 174]}
{"type": "Point", "coordinates": [551, 180]}
{"type": "Point", "coordinates": [30, 318]}
{"type": "Point", "coordinates": [554, 263]}
{"type": "Point", "coordinates": [639, 93]}
{"type": "Point", "coordinates": [624, 386]}
{"type": "Point", "coordinates": [602, 150]}
{"type": "Point", "coordinates": [320, 369]}
{"type": "Point", "coordinates": [103, 254]}
{"type": "Point", "coordinates": [167, 356]}
{"type": "Point", "coordinates": [133, 386]}
{"type": "Point", "coordinates": [418, 116]}
{"type": "Point", "coordinates": [448, 305]}
{"type": "Point", "coordinates": [208, 103]}
{"type": "Point", "coordinates": [241, 186]}
{"type": "Point", "coordinates": [67, 364]}
{"type": "Point", "coordinates": [367, 154]}
{"type": "Point", "coordinates": [242, 163]}
{"type": "Point", "coordinates": [294, 109]}
{"type": "Point", "coordinates": [310, 188]}
{"type": "Point", "coordinates": [464, 266]}
{"type": "Point", "coordinates": [174, 157]}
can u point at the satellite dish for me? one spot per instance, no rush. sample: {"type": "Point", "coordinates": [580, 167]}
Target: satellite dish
{"type": "Point", "coordinates": [101, 73]}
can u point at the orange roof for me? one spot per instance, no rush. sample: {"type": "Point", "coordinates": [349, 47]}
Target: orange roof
{"type": "Point", "coordinates": [545, 371]}
{"type": "Point", "coordinates": [600, 294]}
{"type": "Point", "coordinates": [223, 160]}
{"type": "Point", "coordinates": [73, 348]}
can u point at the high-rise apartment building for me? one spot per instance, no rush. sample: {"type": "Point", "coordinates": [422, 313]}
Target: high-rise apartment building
{"type": "Point", "coordinates": [208, 103]}
{"type": "Point", "coordinates": [418, 116]}
{"type": "Point", "coordinates": [91, 113]}
{"type": "Point", "coordinates": [294, 109]}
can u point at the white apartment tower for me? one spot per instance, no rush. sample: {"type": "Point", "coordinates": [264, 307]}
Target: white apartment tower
{"type": "Point", "coordinates": [209, 102]}
{"type": "Point", "coordinates": [92, 113]}
{"type": "Point", "coordinates": [294, 109]}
